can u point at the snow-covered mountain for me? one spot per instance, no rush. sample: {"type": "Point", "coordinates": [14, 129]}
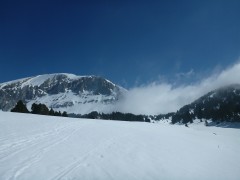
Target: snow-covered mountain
{"type": "Point", "coordinates": [222, 104]}
{"type": "Point", "coordinates": [62, 92]}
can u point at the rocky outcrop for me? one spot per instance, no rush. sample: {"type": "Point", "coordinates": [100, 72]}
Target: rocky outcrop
{"type": "Point", "coordinates": [59, 90]}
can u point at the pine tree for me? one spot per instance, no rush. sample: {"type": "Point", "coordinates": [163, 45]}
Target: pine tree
{"type": "Point", "coordinates": [51, 112]}
{"type": "Point", "coordinates": [40, 109]}
{"type": "Point", "coordinates": [44, 109]}
{"type": "Point", "coordinates": [57, 113]}
{"type": "Point", "coordinates": [35, 108]}
{"type": "Point", "coordinates": [64, 114]}
{"type": "Point", "coordinates": [187, 117]}
{"type": "Point", "coordinates": [20, 107]}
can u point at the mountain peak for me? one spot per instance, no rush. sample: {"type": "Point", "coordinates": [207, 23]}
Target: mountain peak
{"type": "Point", "coordinates": [61, 91]}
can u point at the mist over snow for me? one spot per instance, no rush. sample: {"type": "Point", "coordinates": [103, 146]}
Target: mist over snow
{"type": "Point", "coordinates": [156, 98]}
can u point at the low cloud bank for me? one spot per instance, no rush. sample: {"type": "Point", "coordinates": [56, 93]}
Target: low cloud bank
{"type": "Point", "coordinates": [163, 98]}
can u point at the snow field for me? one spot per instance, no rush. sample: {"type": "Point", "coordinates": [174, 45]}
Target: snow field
{"type": "Point", "coordinates": [44, 147]}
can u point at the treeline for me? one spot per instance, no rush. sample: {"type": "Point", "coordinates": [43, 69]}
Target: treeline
{"type": "Point", "coordinates": [37, 109]}
{"type": "Point", "coordinates": [162, 116]}
{"type": "Point", "coordinates": [116, 116]}
{"type": "Point", "coordinates": [217, 114]}
{"type": "Point", "coordinates": [43, 110]}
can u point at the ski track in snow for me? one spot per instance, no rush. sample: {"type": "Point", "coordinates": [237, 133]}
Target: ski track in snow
{"type": "Point", "coordinates": [20, 144]}
{"type": "Point", "coordinates": [53, 148]}
{"type": "Point", "coordinates": [51, 138]}
{"type": "Point", "coordinates": [36, 156]}
{"type": "Point", "coordinates": [71, 167]}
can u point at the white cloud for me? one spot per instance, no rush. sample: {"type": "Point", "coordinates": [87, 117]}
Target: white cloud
{"type": "Point", "coordinates": [163, 98]}
{"type": "Point", "coordinates": [188, 74]}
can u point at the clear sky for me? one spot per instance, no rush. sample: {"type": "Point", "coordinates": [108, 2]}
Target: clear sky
{"type": "Point", "coordinates": [128, 42]}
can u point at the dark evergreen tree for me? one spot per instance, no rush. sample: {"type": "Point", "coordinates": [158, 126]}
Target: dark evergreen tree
{"type": "Point", "coordinates": [35, 108]}
{"type": "Point", "coordinates": [186, 117]}
{"type": "Point", "coordinates": [147, 119]}
{"type": "Point", "coordinates": [51, 112]}
{"type": "Point", "coordinates": [20, 107]}
{"type": "Point", "coordinates": [176, 118]}
{"type": "Point", "coordinates": [40, 109]}
{"type": "Point", "coordinates": [64, 114]}
{"type": "Point", "coordinates": [44, 109]}
{"type": "Point", "coordinates": [57, 113]}
{"type": "Point", "coordinates": [93, 115]}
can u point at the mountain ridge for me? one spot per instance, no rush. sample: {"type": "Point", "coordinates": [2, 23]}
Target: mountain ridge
{"type": "Point", "coordinates": [222, 104]}
{"type": "Point", "coordinates": [61, 91]}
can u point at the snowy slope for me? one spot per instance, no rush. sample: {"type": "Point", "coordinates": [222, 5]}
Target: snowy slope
{"type": "Point", "coordinates": [62, 92]}
{"type": "Point", "coordinates": [222, 104]}
{"type": "Point", "coordinates": [42, 147]}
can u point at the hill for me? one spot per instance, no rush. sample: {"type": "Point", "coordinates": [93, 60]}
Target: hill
{"type": "Point", "coordinates": [220, 105]}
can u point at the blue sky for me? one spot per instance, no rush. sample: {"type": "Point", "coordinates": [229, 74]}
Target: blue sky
{"type": "Point", "coordinates": [129, 42]}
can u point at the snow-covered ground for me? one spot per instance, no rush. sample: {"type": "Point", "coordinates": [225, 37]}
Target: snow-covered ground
{"type": "Point", "coordinates": [43, 147]}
